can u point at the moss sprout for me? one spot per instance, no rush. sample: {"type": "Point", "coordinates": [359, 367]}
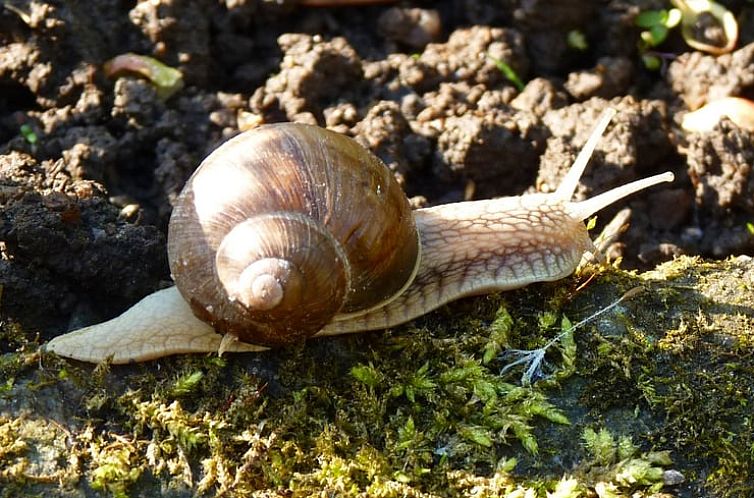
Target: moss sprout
{"type": "Point", "coordinates": [166, 80]}
{"type": "Point", "coordinates": [507, 71]}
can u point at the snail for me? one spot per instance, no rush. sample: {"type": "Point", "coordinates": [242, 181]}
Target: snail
{"type": "Point", "coordinates": [291, 231]}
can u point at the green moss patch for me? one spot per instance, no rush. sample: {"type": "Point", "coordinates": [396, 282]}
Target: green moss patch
{"type": "Point", "coordinates": [656, 390]}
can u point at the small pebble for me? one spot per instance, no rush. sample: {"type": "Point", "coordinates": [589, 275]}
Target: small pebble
{"type": "Point", "coordinates": [672, 477]}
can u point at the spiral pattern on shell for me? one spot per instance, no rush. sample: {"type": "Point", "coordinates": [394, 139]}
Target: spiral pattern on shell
{"type": "Point", "coordinates": [286, 226]}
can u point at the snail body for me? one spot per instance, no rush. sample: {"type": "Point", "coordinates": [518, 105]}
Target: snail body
{"type": "Point", "coordinates": [290, 231]}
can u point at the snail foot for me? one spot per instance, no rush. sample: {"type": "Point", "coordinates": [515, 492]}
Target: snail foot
{"type": "Point", "coordinates": [161, 324]}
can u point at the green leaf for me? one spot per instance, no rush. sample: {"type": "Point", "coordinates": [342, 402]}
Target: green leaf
{"type": "Point", "coordinates": [651, 62]}
{"type": "Point", "coordinates": [420, 383]}
{"type": "Point", "coordinates": [28, 133]}
{"type": "Point", "coordinates": [460, 374]}
{"type": "Point", "coordinates": [476, 434]}
{"type": "Point", "coordinates": [506, 465]}
{"type": "Point", "coordinates": [485, 390]}
{"type": "Point", "coordinates": [407, 435]}
{"type": "Point", "coordinates": [626, 448]}
{"type": "Point", "coordinates": [600, 445]}
{"type": "Point", "coordinates": [674, 18]}
{"type": "Point", "coordinates": [659, 33]}
{"type": "Point", "coordinates": [528, 441]}
{"type": "Point", "coordinates": [551, 413]}
{"type": "Point", "coordinates": [661, 458]}
{"type": "Point", "coordinates": [607, 490]}
{"type": "Point", "coordinates": [367, 374]}
{"type": "Point", "coordinates": [577, 40]}
{"type": "Point", "coordinates": [508, 72]}
{"type": "Point", "coordinates": [567, 487]}
{"type": "Point", "coordinates": [402, 477]}
{"type": "Point", "coordinates": [650, 18]}
{"type": "Point", "coordinates": [567, 347]}
{"type": "Point", "coordinates": [396, 391]}
{"type": "Point", "coordinates": [491, 350]}
{"type": "Point", "coordinates": [186, 384]}
{"type": "Point", "coordinates": [499, 330]}
{"type": "Point", "coordinates": [638, 471]}
{"type": "Point", "coordinates": [410, 393]}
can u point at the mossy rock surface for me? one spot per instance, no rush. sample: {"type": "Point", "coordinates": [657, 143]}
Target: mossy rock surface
{"type": "Point", "coordinates": [657, 387]}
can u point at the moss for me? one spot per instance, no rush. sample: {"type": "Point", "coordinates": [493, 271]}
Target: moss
{"type": "Point", "coordinates": [114, 466]}
{"type": "Point", "coordinates": [15, 357]}
{"type": "Point", "coordinates": [422, 410]}
{"type": "Point", "coordinates": [698, 373]}
{"type": "Point", "coordinates": [34, 455]}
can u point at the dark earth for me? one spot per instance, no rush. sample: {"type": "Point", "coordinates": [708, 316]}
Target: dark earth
{"type": "Point", "coordinates": [90, 162]}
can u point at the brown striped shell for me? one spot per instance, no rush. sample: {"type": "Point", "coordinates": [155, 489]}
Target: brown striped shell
{"type": "Point", "coordinates": [286, 226]}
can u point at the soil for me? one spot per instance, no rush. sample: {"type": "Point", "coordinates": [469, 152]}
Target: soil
{"type": "Point", "coordinates": [90, 164]}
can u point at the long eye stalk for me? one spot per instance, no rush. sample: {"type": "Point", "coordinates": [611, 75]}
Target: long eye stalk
{"type": "Point", "coordinates": [584, 209]}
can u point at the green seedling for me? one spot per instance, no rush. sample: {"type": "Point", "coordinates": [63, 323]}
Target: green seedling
{"type": "Point", "coordinates": [577, 40]}
{"type": "Point", "coordinates": [508, 72]}
{"type": "Point", "coordinates": [186, 384]}
{"type": "Point", "coordinates": [695, 13]}
{"type": "Point", "coordinates": [691, 15]}
{"type": "Point", "coordinates": [28, 133]}
{"type": "Point", "coordinates": [619, 460]}
{"type": "Point", "coordinates": [657, 24]}
{"type": "Point", "coordinates": [166, 80]}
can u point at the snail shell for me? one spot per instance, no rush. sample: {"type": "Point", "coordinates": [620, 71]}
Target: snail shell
{"type": "Point", "coordinates": [284, 227]}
